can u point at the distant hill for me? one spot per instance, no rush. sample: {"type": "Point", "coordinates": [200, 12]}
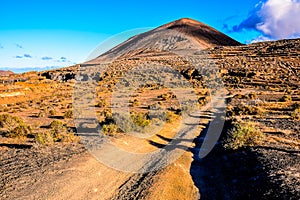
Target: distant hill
{"type": "Point", "coordinates": [5, 72]}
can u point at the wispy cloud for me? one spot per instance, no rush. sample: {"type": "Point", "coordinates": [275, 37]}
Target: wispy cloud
{"type": "Point", "coordinates": [24, 56]}
{"type": "Point", "coordinates": [27, 56]}
{"type": "Point", "coordinates": [274, 19]}
{"type": "Point", "coordinates": [63, 59]}
{"type": "Point", "coordinates": [1, 47]}
{"type": "Point", "coordinates": [47, 58]}
{"type": "Point", "coordinates": [19, 46]}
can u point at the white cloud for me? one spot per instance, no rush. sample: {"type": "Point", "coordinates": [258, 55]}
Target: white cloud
{"type": "Point", "coordinates": [259, 39]}
{"type": "Point", "coordinates": [280, 18]}
{"type": "Point", "coordinates": [274, 19]}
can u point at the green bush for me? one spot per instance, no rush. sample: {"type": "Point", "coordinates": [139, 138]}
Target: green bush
{"type": "Point", "coordinates": [243, 134]}
{"type": "Point", "coordinates": [13, 126]}
{"type": "Point", "coordinates": [107, 114]}
{"type": "Point", "coordinates": [156, 106]}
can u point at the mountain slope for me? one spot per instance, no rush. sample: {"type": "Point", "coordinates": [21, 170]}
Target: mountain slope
{"type": "Point", "coordinates": [183, 34]}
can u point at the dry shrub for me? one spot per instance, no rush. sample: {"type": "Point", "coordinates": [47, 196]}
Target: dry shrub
{"type": "Point", "coordinates": [171, 117]}
{"type": "Point", "coordinates": [52, 112]}
{"type": "Point", "coordinates": [166, 96]}
{"type": "Point", "coordinates": [243, 134]}
{"type": "Point", "coordinates": [60, 132]}
{"type": "Point", "coordinates": [246, 110]}
{"type": "Point", "coordinates": [286, 98]}
{"type": "Point", "coordinates": [110, 129]}
{"type": "Point", "coordinates": [140, 119]}
{"type": "Point", "coordinates": [134, 103]}
{"type": "Point", "coordinates": [138, 122]}
{"type": "Point", "coordinates": [14, 127]}
{"type": "Point", "coordinates": [296, 114]}
{"type": "Point", "coordinates": [68, 114]}
{"type": "Point", "coordinates": [102, 103]}
{"type": "Point", "coordinates": [44, 138]}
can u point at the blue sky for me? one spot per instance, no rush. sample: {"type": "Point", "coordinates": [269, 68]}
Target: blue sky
{"type": "Point", "coordinates": [37, 34]}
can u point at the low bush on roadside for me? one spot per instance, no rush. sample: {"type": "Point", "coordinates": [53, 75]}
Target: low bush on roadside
{"type": "Point", "coordinates": [110, 129]}
{"type": "Point", "coordinates": [243, 134]}
{"type": "Point", "coordinates": [140, 119]}
{"type": "Point", "coordinates": [131, 122]}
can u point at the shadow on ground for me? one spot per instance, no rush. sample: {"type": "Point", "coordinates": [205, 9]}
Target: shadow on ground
{"type": "Point", "coordinates": [239, 174]}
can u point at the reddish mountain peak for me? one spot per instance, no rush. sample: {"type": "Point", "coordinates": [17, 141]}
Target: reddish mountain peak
{"type": "Point", "coordinates": [184, 21]}
{"type": "Point", "coordinates": [201, 32]}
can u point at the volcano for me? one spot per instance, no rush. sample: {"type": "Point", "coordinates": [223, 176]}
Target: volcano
{"type": "Point", "coordinates": [183, 34]}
